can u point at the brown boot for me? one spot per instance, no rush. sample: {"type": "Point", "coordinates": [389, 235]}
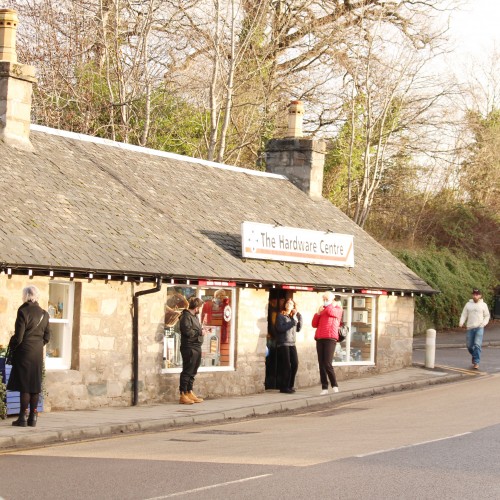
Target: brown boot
{"type": "Point", "coordinates": [193, 397]}
{"type": "Point", "coordinates": [185, 399]}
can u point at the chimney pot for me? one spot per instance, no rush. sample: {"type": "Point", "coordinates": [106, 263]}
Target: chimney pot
{"type": "Point", "coordinates": [8, 27]}
{"type": "Point", "coordinates": [295, 117]}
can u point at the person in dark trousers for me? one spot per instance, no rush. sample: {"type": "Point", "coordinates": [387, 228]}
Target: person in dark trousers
{"type": "Point", "coordinates": [191, 341]}
{"type": "Point", "coordinates": [475, 316]}
{"type": "Point", "coordinates": [327, 321]}
{"type": "Point", "coordinates": [31, 333]}
{"type": "Point", "coordinates": [288, 323]}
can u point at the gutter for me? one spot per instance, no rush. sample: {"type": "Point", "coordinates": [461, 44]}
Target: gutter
{"type": "Point", "coordinates": [135, 338]}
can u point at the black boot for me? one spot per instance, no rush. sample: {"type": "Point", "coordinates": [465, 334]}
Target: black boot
{"type": "Point", "coordinates": [21, 421]}
{"type": "Point", "coordinates": [33, 416]}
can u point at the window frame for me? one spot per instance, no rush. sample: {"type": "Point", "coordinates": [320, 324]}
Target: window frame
{"type": "Point", "coordinates": [347, 318]}
{"type": "Point", "coordinates": [63, 362]}
{"type": "Point", "coordinates": [200, 292]}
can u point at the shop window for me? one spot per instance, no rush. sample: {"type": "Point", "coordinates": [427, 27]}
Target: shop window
{"type": "Point", "coordinates": [217, 318]}
{"type": "Point", "coordinates": [359, 315]}
{"type": "Point", "coordinates": [60, 309]}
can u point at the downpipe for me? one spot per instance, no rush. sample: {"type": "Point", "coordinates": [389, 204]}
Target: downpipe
{"type": "Point", "coordinates": [135, 338]}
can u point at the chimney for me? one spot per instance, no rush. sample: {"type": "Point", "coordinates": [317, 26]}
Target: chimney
{"type": "Point", "coordinates": [299, 158]}
{"type": "Point", "coordinates": [16, 84]}
{"type": "Point", "coordinates": [295, 118]}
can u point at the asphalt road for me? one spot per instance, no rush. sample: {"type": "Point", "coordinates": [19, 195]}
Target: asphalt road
{"type": "Point", "coordinates": [458, 357]}
{"type": "Point", "coordinates": [439, 442]}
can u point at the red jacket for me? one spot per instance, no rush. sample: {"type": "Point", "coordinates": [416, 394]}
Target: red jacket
{"type": "Point", "coordinates": [327, 322]}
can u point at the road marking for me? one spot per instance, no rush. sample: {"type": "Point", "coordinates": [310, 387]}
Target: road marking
{"type": "Point", "coordinates": [461, 370]}
{"type": "Point", "coordinates": [204, 488]}
{"type": "Point", "coordinates": [412, 445]}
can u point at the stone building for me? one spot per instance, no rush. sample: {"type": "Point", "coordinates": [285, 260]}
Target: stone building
{"type": "Point", "coordinates": [117, 237]}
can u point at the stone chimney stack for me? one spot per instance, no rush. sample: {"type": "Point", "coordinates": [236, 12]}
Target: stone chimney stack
{"type": "Point", "coordinates": [16, 85]}
{"type": "Point", "coordinates": [299, 158]}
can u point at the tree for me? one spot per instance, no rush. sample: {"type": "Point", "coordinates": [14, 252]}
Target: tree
{"type": "Point", "coordinates": [389, 116]}
{"type": "Point", "coordinates": [238, 61]}
{"type": "Point", "coordinates": [480, 173]}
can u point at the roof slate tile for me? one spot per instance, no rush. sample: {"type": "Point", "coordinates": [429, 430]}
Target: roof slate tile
{"type": "Point", "coordinates": [83, 203]}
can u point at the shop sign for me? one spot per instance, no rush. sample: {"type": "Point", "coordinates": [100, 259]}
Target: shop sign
{"type": "Point", "coordinates": [265, 241]}
{"type": "Point", "coordinates": [298, 287]}
{"type": "Point", "coordinates": [216, 283]}
{"type": "Point", "coordinates": [374, 292]}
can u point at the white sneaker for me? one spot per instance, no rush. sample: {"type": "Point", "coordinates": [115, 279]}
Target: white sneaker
{"type": "Point", "coordinates": [324, 392]}
{"type": "Point", "coordinates": [335, 389]}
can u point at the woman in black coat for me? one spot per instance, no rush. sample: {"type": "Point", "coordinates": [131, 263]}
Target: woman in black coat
{"type": "Point", "coordinates": [31, 334]}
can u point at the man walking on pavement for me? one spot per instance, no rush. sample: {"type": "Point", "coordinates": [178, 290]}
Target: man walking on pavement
{"type": "Point", "coordinates": [475, 316]}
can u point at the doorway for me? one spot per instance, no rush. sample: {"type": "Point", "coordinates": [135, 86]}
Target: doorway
{"type": "Point", "coordinates": [277, 299]}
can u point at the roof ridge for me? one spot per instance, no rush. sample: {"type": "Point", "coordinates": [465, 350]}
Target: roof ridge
{"type": "Point", "coordinates": [141, 149]}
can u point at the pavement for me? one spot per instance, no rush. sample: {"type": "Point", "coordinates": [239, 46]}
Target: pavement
{"type": "Point", "coordinates": [72, 426]}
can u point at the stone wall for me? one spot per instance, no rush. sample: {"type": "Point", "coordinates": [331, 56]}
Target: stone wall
{"type": "Point", "coordinates": [393, 343]}
{"type": "Point", "coordinates": [395, 332]}
{"type": "Point", "coordinates": [104, 356]}
{"type": "Point", "coordinates": [102, 371]}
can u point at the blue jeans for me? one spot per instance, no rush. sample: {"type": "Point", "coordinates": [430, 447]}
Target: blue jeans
{"type": "Point", "coordinates": [474, 341]}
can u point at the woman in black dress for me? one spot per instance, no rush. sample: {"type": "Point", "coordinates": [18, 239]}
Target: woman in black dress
{"type": "Point", "coordinates": [31, 334]}
{"type": "Point", "coordinates": [288, 323]}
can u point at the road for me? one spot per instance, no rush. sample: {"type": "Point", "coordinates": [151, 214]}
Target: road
{"type": "Point", "coordinates": [459, 357]}
{"type": "Point", "coordinates": [439, 442]}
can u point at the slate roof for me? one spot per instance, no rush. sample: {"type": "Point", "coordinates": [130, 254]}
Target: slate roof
{"type": "Point", "coordinates": [85, 204]}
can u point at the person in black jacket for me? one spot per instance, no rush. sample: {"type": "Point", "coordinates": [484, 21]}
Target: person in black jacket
{"type": "Point", "coordinates": [191, 341]}
{"type": "Point", "coordinates": [31, 334]}
{"type": "Point", "coordinates": [288, 323]}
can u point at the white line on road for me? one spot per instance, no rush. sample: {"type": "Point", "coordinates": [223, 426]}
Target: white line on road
{"type": "Point", "coordinates": [203, 488]}
{"type": "Point", "coordinates": [411, 445]}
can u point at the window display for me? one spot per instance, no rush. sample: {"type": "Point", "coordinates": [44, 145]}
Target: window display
{"type": "Point", "coordinates": [359, 316]}
{"type": "Point", "coordinates": [60, 309]}
{"type": "Point", "coordinates": [216, 318]}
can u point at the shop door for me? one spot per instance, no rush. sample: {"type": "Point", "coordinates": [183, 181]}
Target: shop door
{"type": "Point", "coordinates": [277, 298]}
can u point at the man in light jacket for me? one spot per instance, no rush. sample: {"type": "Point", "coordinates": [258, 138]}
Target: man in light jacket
{"type": "Point", "coordinates": [475, 316]}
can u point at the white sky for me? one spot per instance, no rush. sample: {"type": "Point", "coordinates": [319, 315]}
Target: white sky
{"type": "Point", "coordinates": [476, 28]}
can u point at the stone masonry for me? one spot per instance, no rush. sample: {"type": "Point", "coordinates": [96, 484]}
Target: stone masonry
{"type": "Point", "coordinates": [102, 371]}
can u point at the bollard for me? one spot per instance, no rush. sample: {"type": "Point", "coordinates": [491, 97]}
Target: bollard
{"type": "Point", "coordinates": [430, 348]}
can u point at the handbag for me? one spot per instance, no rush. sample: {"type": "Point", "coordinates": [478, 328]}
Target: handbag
{"type": "Point", "coordinates": [9, 353]}
{"type": "Point", "coordinates": [343, 333]}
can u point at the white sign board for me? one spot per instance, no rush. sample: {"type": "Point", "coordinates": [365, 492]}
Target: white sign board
{"type": "Point", "coordinates": [265, 241]}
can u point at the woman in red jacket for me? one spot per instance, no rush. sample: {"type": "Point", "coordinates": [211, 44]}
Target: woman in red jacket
{"type": "Point", "coordinates": [327, 321]}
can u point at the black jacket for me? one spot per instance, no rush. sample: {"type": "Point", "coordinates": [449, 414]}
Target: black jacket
{"type": "Point", "coordinates": [191, 333]}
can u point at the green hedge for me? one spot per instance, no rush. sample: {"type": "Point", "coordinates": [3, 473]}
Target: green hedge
{"type": "Point", "coordinates": [454, 274]}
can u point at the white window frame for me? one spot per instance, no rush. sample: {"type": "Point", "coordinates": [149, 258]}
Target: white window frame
{"type": "Point", "coordinates": [63, 362]}
{"type": "Point", "coordinates": [348, 321]}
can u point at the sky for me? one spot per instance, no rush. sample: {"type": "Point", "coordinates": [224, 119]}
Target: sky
{"type": "Point", "coordinates": [476, 28]}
